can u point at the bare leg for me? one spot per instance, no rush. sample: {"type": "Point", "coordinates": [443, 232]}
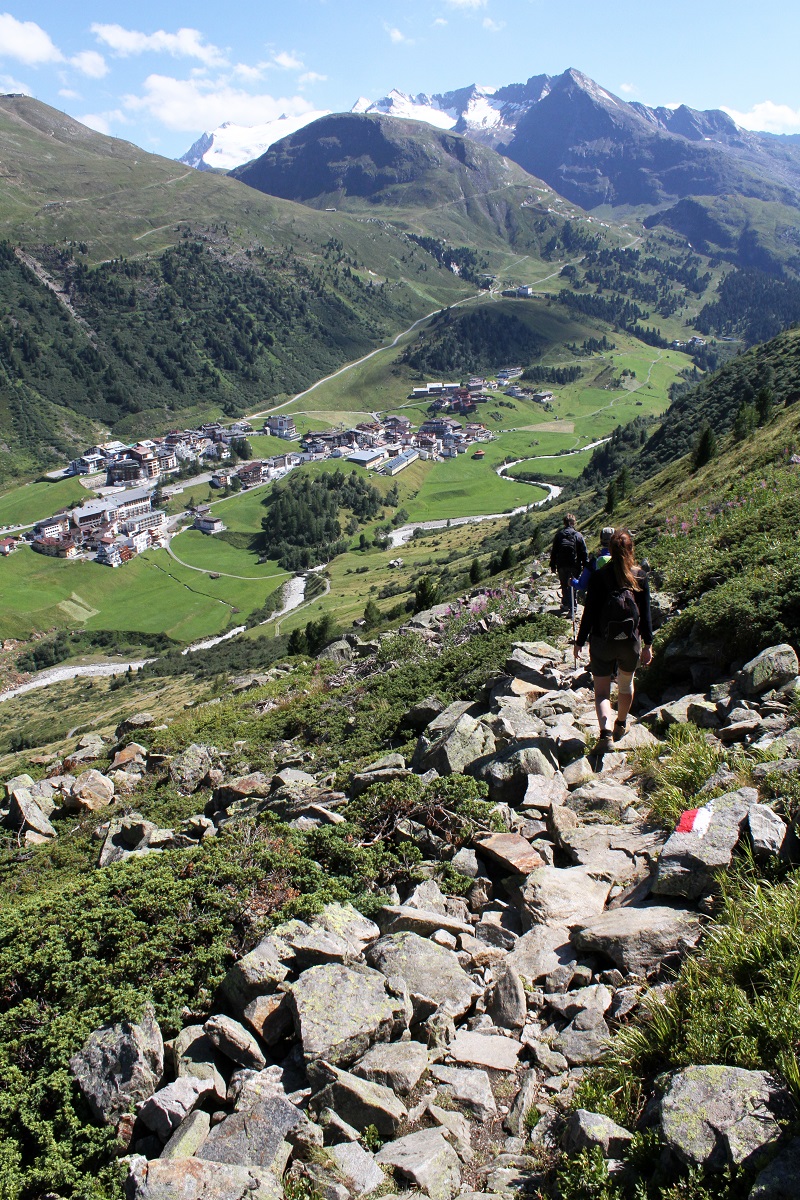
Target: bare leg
{"type": "Point", "coordinates": [602, 703]}
{"type": "Point", "coordinates": [624, 694]}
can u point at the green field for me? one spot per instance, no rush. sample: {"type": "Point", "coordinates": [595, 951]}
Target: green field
{"type": "Point", "coordinates": [29, 502]}
{"type": "Point", "coordinates": [213, 553]}
{"type": "Point", "coordinates": [151, 594]}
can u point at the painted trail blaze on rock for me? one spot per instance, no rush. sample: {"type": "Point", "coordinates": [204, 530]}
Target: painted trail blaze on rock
{"type": "Point", "coordinates": [694, 820]}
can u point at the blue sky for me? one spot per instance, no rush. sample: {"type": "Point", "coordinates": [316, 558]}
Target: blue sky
{"type": "Point", "coordinates": [160, 74]}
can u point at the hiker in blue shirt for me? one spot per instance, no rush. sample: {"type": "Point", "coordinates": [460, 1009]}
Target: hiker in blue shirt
{"type": "Point", "coordinates": [596, 561]}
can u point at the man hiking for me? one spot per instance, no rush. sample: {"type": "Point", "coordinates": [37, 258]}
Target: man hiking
{"type": "Point", "coordinates": [567, 557]}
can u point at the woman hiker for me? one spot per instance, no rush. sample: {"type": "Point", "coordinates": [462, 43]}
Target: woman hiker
{"type": "Point", "coordinates": [616, 622]}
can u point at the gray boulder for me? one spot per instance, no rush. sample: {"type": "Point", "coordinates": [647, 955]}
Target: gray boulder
{"type": "Point", "coordinates": [468, 1088]}
{"type": "Point", "coordinates": [507, 775]}
{"type": "Point", "coordinates": [600, 797]}
{"type": "Point", "coordinates": [253, 1137]}
{"type": "Point", "coordinates": [532, 669]}
{"type": "Point", "coordinates": [235, 1042]}
{"type": "Point", "coordinates": [358, 1167]}
{"type": "Point", "coordinates": [340, 1011]}
{"type": "Point", "coordinates": [540, 952]}
{"type": "Point", "coordinates": [513, 853]}
{"type": "Point", "coordinates": [771, 668]}
{"type": "Point", "coordinates": [90, 791]}
{"type": "Point", "coordinates": [767, 831]}
{"type": "Point", "coordinates": [508, 1005]}
{"type": "Point", "coordinates": [562, 896]}
{"type": "Point", "coordinates": [360, 1102]}
{"type": "Point", "coordinates": [456, 749]}
{"type": "Point", "coordinates": [621, 854]}
{"type": "Point", "coordinates": [193, 1179]}
{"type": "Point", "coordinates": [433, 975]}
{"type": "Point", "coordinates": [779, 1181]}
{"type": "Point", "coordinates": [492, 1050]}
{"type": "Point", "coordinates": [398, 1066]}
{"type": "Point", "coordinates": [339, 652]}
{"type": "Point", "coordinates": [195, 1056]}
{"type": "Point", "coordinates": [585, 1130]}
{"type": "Point", "coordinates": [585, 1040]}
{"type": "Point", "coordinates": [26, 814]}
{"type": "Point", "coordinates": [347, 922]}
{"type": "Point", "coordinates": [712, 1116]}
{"type": "Point", "coordinates": [515, 1122]}
{"type": "Point", "coordinates": [189, 769]}
{"type": "Point", "coordinates": [257, 973]}
{"type": "Point", "coordinates": [400, 918]}
{"type": "Point", "coordinates": [189, 1136]}
{"type": "Point", "coordinates": [388, 769]}
{"type": "Point", "coordinates": [119, 1065]}
{"type": "Point", "coordinates": [689, 859]}
{"type": "Point", "coordinates": [638, 939]}
{"type": "Point", "coordinates": [167, 1108]}
{"type": "Point", "coordinates": [421, 714]}
{"type": "Point", "coordinates": [427, 1160]}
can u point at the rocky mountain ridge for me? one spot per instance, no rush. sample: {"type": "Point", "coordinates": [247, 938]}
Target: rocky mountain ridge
{"type": "Point", "coordinates": [444, 1041]}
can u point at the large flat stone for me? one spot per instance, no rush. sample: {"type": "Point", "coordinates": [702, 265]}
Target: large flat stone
{"type": "Point", "coordinates": [456, 750]}
{"type": "Point", "coordinates": [193, 1179]}
{"type": "Point", "coordinates": [713, 1116]}
{"type": "Point", "coordinates": [347, 922]}
{"type": "Point", "coordinates": [340, 1011]}
{"type": "Point", "coordinates": [255, 974]}
{"type": "Point", "coordinates": [470, 1089]}
{"type": "Point", "coordinates": [770, 669]}
{"type": "Point", "coordinates": [404, 918]}
{"type": "Point", "coordinates": [253, 1137]}
{"type": "Point", "coordinates": [540, 951]}
{"type": "Point", "coordinates": [638, 939]}
{"type": "Point", "coordinates": [562, 896]}
{"type": "Point", "coordinates": [428, 970]}
{"type": "Point", "coordinates": [689, 860]}
{"type": "Point", "coordinates": [427, 1160]}
{"type": "Point", "coordinates": [396, 1065]}
{"type": "Point", "coordinates": [485, 1050]}
{"type": "Point", "coordinates": [360, 1102]}
{"type": "Point", "coordinates": [358, 1167]}
{"type": "Point", "coordinates": [616, 853]}
{"type": "Point", "coordinates": [513, 853]}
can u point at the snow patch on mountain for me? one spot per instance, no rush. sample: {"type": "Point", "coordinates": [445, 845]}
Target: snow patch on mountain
{"type": "Point", "coordinates": [231, 145]}
{"type": "Point", "coordinates": [412, 108]}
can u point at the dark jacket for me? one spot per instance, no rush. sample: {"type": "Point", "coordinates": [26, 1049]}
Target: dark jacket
{"type": "Point", "coordinates": [568, 551]}
{"type": "Point", "coordinates": [597, 592]}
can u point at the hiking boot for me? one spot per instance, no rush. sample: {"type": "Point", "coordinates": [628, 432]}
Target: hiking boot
{"type": "Point", "coordinates": [604, 742]}
{"type": "Point", "coordinates": [620, 729]}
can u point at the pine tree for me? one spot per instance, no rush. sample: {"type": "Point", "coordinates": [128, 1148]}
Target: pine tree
{"type": "Point", "coordinates": [372, 615]}
{"type": "Point", "coordinates": [611, 496]}
{"type": "Point", "coordinates": [475, 571]}
{"type": "Point", "coordinates": [706, 447]}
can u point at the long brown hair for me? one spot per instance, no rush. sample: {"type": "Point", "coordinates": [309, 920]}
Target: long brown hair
{"type": "Point", "coordinates": [623, 562]}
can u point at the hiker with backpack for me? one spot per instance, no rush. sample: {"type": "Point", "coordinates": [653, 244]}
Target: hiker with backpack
{"type": "Point", "coordinates": [568, 556]}
{"type": "Point", "coordinates": [617, 624]}
{"type": "Point", "coordinates": [596, 562]}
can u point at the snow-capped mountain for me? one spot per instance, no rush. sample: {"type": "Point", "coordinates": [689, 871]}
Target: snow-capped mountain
{"type": "Point", "coordinates": [231, 145]}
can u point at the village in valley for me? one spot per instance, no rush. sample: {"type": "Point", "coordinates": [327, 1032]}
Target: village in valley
{"type": "Point", "coordinates": [122, 515]}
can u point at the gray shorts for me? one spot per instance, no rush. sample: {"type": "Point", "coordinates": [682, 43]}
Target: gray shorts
{"type": "Point", "coordinates": [605, 656]}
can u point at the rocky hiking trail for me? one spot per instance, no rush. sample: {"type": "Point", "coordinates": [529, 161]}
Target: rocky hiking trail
{"type": "Point", "coordinates": [439, 1047]}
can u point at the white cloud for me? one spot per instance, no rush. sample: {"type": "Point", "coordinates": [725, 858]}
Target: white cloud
{"type": "Point", "coordinates": [493, 26]}
{"type": "Point", "coordinates": [467, 3]}
{"type": "Point", "coordinates": [289, 62]}
{"type": "Point", "coordinates": [185, 43]}
{"type": "Point", "coordinates": [102, 122]}
{"type": "Point", "coordinates": [186, 105]}
{"type": "Point", "coordinates": [439, 22]}
{"type": "Point", "coordinates": [27, 42]}
{"type": "Point", "coordinates": [628, 89]}
{"type": "Point", "coordinates": [313, 77]}
{"type": "Point", "coordinates": [767, 117]}
{"type": "Point", "coordinates": [90, 63]}
{"type": "Point", "coordinates": [9, 84]}
{"type": "Point", "coordinates": [251, 74]}
{"type": "Point", "coordinates": [397, 37]}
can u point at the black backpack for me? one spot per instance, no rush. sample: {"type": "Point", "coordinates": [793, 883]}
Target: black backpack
{"type": "Point", "coordinates": [567, 549]}
{"type": "Point", "coordinates": [619, 619]}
